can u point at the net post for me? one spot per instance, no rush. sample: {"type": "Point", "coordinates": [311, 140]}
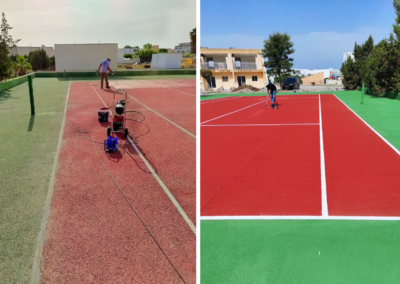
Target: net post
{"type": "Point", "coordinates": [31, 94]}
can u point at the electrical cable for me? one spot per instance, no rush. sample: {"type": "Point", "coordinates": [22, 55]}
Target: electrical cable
{"type": "Point", "coordinates": [136, 213]}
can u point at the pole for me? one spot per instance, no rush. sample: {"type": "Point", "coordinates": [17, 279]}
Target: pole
{"type": "Point", "coordinates": [362, 94]}
{"type": "Point", "coordinates": [31, 94]}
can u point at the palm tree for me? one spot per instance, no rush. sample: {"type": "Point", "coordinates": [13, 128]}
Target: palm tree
{"type": "Point", "coordinates": [192, 35]}
{"type": "Point", "coordinates": [21, 66]}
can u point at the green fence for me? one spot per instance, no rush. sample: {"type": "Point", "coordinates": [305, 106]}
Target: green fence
{"type": "Point", "coordinates": [389, 95]}
{"type": "Point", "coordinates": [14, 82]}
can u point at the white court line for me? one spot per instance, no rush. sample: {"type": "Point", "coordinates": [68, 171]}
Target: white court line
{"type": "Point", "coordinates": [233, 112]}
{"type": "Point", "coordinates": [182, 92]}
{"type": "Point", "coordinates": [378, 218]}
{"type": "Point", "coordinates": [166, 190]}
{"type": "Point", "coordinates": [163, 186]}
{"type": "Point", "coordinates": [217, 100]}
{"type": "Point", "coordinates": [387, 142]}
{"type": "Point", "coordinates": [173, 123]}
{"type": "Point", "coordinates": [259, 124]}
{"type": "Point", "coordinates": [324, 198]}
{"type": "Point", "coordinates": [37, 259]}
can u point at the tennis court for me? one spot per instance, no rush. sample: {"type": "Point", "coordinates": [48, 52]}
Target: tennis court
{"type": "Point", "coordinates": [122, 217]}
{"type": "Point", "coordinates": [288, 177]}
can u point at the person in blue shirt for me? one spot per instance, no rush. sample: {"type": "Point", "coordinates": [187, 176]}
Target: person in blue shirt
{"type": "Point", "coordinates": [104, 67]}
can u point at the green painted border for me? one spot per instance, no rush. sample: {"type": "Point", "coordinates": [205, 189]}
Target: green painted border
{"type": "Point", "coordinates": [14, 82]}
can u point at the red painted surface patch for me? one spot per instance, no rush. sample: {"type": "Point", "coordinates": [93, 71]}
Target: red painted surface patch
{"type": "Point", "coordinates": [292, 109]}
{"type": "Point", "coordinates": [260, 170]}
{"type": "Point", "coordinates": [93, 236]}
{"type": "Point", "coordinates": [361, 169]}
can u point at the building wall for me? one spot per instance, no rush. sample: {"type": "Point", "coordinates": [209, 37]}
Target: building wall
{"type": "Point", "coordinates": [166, 61]}
{"type": "Point", "coordinates": [348, 54]}
{"type": "Point", "coordinates": [24, 50]}
{"type": "Point", "coordinates": [233, 82]}
{"type": "Point", "coordinates": [318, 79]}
{"type": "Point", "coordinates": [84, 57]}
{"type": "Point", "coordinates": [123, 51]}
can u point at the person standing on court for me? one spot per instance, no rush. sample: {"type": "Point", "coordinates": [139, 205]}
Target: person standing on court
{"type": "Point", "coordinates": [271, 92]}
{"type": "Point", "coordinates": [104, 67]}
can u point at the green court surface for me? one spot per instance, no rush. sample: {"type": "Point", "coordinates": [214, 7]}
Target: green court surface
{"type": "Point", "coordinates": [300, 251]}
{"type": "Point", "coordinates": [309, 251]}
{"type": "Point", "coordinates": [28, 146]}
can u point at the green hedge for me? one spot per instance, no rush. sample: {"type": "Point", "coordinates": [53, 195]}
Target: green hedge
{"type": "Point", "coordinates": [14, 82]}
{"type": "Point", "coordinates": [389, 95]}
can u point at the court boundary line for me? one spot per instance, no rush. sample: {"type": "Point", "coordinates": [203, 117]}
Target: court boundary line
{"type": "Point", "coordinates": [386, 141]}
{"type": "Point", "coordinates": [232, 112]}
{"type": "Point", "coordinates": [165, 188]}
{"type": "Point", "coordinates": [170, 121]}
{"type": "Point", "coordinates": [289, 124]}
{"type": "Point", "coordinates": [38, 256]}
{"type": "Point", "coordinates": [324, 198]}
{"type": "Point", "coordinates": [299, 217]}
{"type": "Point", "coordinates": [181, 91]}
{"type": "Point", "coordinates": [161, 183]}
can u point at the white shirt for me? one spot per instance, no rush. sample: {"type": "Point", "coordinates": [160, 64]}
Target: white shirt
{"type": "Point", "coordinates": [104, 66]}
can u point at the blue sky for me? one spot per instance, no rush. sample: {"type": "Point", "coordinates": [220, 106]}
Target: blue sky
{"type": "Point", "coordinates": [321, 30]}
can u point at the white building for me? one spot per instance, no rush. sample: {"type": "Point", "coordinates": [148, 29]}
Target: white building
{"type": "Point", "coordinates": [306, 72]}
{"type": "Point", "coordinates": [183, 47]}
{"type": "Point", "coordinates": [25, 50]}
{"type": "Point", "coordinates": [348, 54]}
{"type": "Point", "coordinates": [84, 57]}
{"type": "Point", "coordinates": [166, 61]}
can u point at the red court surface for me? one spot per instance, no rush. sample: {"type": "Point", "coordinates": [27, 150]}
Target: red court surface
{"type": "Point", "coordinates": [257, 161]}
{"type": "Point", "coordinates": [361, 169]}
{"type": "Point", "coordinates": [93, 235]}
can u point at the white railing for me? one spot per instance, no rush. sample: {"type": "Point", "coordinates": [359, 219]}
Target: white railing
{"type": "Point", "coordinates": [248, 65]}
{"type": "Point", "coordinates": [215, 66]}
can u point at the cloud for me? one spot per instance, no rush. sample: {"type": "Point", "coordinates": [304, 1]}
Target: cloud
{"type": "Point", "coordinates": [133, 22]}
{"type": "Point", "coordinates": [313, 50]}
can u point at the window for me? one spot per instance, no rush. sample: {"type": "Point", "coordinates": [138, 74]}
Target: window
{"type": "Point", "coordinates": [210, 59]}
{"type": "Point", "coordinates": [254, 78]}
{"type": "Point", "coordinates": [224, 78]}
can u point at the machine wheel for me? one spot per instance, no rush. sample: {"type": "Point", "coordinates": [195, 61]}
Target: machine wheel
{"type": "Point", "coordinates": [126, 132]}
{"type": "Point", "coordinates": [108, 131]}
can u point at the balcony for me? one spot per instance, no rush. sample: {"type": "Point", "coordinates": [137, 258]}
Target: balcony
{"type": "Point", "coordinates": [247, 66]}
{"type": "Point", "coordinates": [215, 66]}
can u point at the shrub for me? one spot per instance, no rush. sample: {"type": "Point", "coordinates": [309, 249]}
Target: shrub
{"type": "Point", "coordinates": [128, 55]}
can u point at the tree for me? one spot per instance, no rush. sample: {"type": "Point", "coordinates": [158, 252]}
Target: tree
{"type": "Point", "coordinates": [383, 65]}
{"type": "Point", "coordinates": [361, 54]}
{"type": "Point", "coordinates": [5, 37]}
{"type": "Point", "coordinates": [147, 46]}
{"type": "Point", "coordinates": [206, 74]}
{"type": "Point", "coordinates": [145, 54]}
{"type": "Point", "coordinates": [192, 36]}
{"type": "Point", "coordinates": [277, 50]}
{"type": "Point", "coordinates": [52, 61]}
{"type": "Point", "coordinates": [21, 66]}
{"type": "Point", "coordinates": [350, 74]}
{"type": "Point", "coordinates": [163, 50]}
{"type": "Point", "coordinates": [6, 43]}
{"type": "Point", "coordinates": [39, 60]}
{"type": "Point", "coordinates": [128, 46]}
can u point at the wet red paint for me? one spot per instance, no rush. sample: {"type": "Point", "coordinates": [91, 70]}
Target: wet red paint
{"type": "Point", "coordinates": [93, 236]}
{"type": "Point", "coordinates": [361, 169]}
{"type": "Point", "coordinates": [261, 170]}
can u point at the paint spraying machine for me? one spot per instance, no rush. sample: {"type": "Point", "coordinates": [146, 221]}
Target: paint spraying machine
{"type": "Point", "coordinates": [118, 123]}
